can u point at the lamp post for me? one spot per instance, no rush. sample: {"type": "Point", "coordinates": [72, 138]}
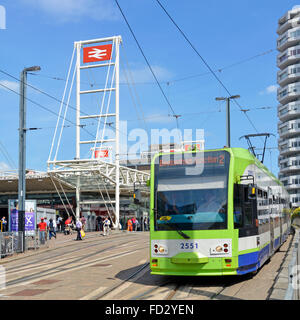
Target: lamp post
{"type": "Point", "coordinates": [227, 116]}
{"type": "Point", "coordinates": [22, 153]}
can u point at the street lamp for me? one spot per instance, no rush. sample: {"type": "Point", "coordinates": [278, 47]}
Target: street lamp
{"type": "Point", "coordinates": [227, 116]}
{"type": "Point", "coordinates": [22, 151]}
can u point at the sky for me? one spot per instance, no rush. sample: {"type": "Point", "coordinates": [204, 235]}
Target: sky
{"type": "Point", "coordinates": [236, 39]}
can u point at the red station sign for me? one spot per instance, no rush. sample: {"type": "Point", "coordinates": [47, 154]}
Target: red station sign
{"type": "Point", "coordinates": [97, 53]}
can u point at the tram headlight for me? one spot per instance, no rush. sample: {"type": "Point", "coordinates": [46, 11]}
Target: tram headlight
{"type": "Point", "coordinates": [219, 249]}
{"type": "Point", "coordinates": [161, 249]}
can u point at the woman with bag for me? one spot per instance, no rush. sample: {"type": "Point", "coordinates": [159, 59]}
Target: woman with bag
{"type": "Point", "coordinates": [78, 229]}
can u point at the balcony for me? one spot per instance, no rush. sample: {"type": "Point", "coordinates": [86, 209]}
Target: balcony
{"type": "Point", "coordinates": [291, 182]}
{"type": "Point", "coordinates": [288, 57]}
{"type": "Point", "coordinates": [292, 23]}
{"type": "Point", "coordinates": [289, 75]}
{"type": "Point", "coordinates": [289, 93]}
{"type": "Point", "coordinates": [289, 111]}
{"type": "Point", "coordinates": [289, 147]}
{"type": "Point", "coordinates": [295, 201]}
{"type": "Point", "coordinates": [288, 39]}
{"type": "Point", "coordinates": [290, 165]}
{"type": "Point", "coordinates": [289, 129]}
{"type": "Point", "coordinates": [287, 19]}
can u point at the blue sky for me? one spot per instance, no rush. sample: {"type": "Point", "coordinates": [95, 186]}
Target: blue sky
{"type": "Point", "coordinates": [228, 35]}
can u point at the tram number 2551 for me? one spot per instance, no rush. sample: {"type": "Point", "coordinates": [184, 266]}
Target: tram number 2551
{"type": "Point", "coordinates": [189, 245]}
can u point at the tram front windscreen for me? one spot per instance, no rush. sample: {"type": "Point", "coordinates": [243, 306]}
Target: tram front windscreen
{"type": "Point", "coordinates": [191, 192]}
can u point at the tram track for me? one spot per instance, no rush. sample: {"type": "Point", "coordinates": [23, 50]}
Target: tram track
{"type": "Point", "coordinates": [114, 290]}
{"type": "Point", "coordinates": [85, 244]}
{"type": "Point", "coordinates": [203, 289]}
{"type": "Point", "coordinates": [79, 261]}
{"type": "Point", "coordinates": [64, 255]}
{"type": "Point", "coordinates": [56, 271]}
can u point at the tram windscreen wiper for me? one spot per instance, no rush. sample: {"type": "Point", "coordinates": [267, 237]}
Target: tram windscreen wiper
{"type": "Point", "coordinates": [173, 227]}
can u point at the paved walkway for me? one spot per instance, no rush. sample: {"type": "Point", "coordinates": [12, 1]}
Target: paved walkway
{"type": "Point", "coordinates": [81, 270]}
{"type": "Point", "coordinates": [72, 270]}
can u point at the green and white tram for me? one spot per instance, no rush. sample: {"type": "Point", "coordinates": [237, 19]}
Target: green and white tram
{"type": "Point", "coordinates": [215, 212]}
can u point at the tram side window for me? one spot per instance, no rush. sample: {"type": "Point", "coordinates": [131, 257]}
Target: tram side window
{"type": "Point", "coordinates": [238, 206]}
{"type": "Point", "coordinates": [248, 210]}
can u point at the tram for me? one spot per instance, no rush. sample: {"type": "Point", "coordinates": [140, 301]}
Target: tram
{"type": "Point", "coordinates": [213, 213]}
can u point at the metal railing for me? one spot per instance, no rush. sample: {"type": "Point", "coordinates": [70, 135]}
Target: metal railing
{"type": "Point", "coordinates": [293, 290]}
{"type": "Point", "coordinates": [12, 242]}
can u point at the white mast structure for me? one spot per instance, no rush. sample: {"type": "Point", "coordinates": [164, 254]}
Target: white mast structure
{"type": "Point", "coordinates": [76, 172]}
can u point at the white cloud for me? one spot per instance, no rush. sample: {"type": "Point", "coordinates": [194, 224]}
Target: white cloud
{"type": "Point", "coordinates": [73, 10]}
{"type": "Point", "coordinates": [4, 166]}
{"type": "Point", "coordinates": [269, 90]}
{"type": "Point", "coordinates": [272, 89]}
{"type": "Point", "coordinates": [144, 75]}
{"type": "Point", "coordinates": [9, 84]}
{"type": "Point", "coordinates": [159, 118]}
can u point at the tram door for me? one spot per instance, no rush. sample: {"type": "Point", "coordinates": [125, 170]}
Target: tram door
{"type": "Point", "coordinates": [248, 211]}
{"type": "Point", "coordinates": [271, 232]}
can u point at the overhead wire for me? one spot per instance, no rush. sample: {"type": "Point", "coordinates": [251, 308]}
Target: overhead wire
{"type": "Point", "coordinates": [7, 156]}
{"type": "Point", "coordinates": [133, 92]}
{"type": "Point", "coordinates": [172, 80]}
{"type": "Point", "coordinates": [56, 99]}
{"type": "Point", "coordinates": [204, 61]}
{"type": "Point", "coordinates": [52, 97]}
{"type": "Point", "coordinates": [148, 64]}
{"type": "Point", "coordinates": [35, 103]}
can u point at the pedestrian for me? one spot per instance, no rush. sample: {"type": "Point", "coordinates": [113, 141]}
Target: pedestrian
{"type": "Point", "coordinates": [129, 225]}
{"type": "Point", "coordinates": [42, 226]}
{"type": "Point", "coordinates": [99, 223]}
{"type": "Point", "coordinates": [106, 226]}
{"type": "Point", "coordinates": [83, 221]}
{"type": "Point", "coordinates": [47, 223]}
{"type": "Point", "coordinates": [145, 224]}
{"type": "Point", "coordinates": [52, 232]}
{"type": "Point", "coordinates": [78, 229]}
{"type": "Point", "coordinates": [4, 224]}
{"type": "Point", "coordinates": [59, 223]}
{"type": "Point", "coordinates": [134, 223]}
{"type": "Point", "coordinates": [54, 227]}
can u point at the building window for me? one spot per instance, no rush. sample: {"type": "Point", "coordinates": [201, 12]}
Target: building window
{"type": "Point", "coordinates": [282, 58]}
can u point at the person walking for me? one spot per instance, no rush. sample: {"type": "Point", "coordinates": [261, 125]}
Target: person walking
{"type": "Point", "coordinates": [99, 223]}
{"type": "Point", "coordinates": [4, 224]}
{"type": "Point", "coordinates": [129, 225]}
{"type": "Point", "coordinates": [134, 224]}
{"type": "Point", "coordinates": [47, 223]}
{"type": "Point", "coordinates": [59, 224]}
{"type": "Point", "coordinates": [52, 232]}
{"type": "Point", "coordinates": [106, 227]}
{"type": "Point", "coordinates": [145, 224]}
{"type": "Point", "coordinates": [83, 221]}
{"type": "Point", "coordinates": [78, 229]}
{"type": "Point", "coordinates": [54, 227]}
{"type": "Point", "coordinates": [42, 226]}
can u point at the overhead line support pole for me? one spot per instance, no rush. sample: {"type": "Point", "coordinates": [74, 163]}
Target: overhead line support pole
{"type": "Point", "coordinates": [78, 47]}
{"type": "Point", "coordinates": [22, 153]}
